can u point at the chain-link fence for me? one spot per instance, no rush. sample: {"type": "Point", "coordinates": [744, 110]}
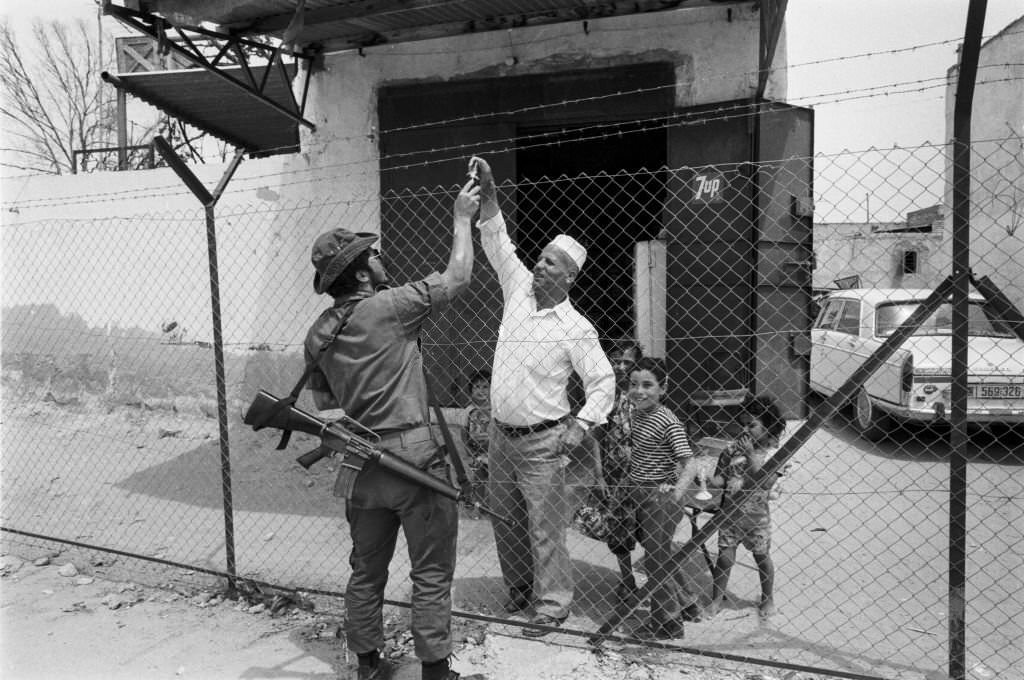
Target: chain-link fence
{"type": "Point", "coordinates": [110, 437]}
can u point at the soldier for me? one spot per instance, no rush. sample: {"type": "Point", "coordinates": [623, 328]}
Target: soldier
{"type": "Point", "coordinates": [368, 363]}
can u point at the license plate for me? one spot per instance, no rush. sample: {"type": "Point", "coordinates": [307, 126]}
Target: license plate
{"type": "Point", "coordinates": [994, 391]}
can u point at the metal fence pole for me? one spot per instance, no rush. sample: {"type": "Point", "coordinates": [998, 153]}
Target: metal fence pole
{"type": "Point", "coordinates": [961, 280]}
{"type": "Point", "coordinates": [209, 201]}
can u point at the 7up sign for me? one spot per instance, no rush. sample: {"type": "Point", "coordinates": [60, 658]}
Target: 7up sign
{"type": "Point", "coordinates": [708, 187]}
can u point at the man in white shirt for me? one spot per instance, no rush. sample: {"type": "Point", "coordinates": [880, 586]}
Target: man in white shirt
{"type": "Point", "coordinates": [541, 342]}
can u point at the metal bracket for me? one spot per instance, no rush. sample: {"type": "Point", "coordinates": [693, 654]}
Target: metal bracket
{"type": "Point", "coordinates": [210, 49]}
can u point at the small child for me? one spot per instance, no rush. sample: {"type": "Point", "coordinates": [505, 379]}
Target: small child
{"type": "Point", "coordinates": [474, 421]}
{"type": "Point", "coordinates": [750, 521]}
{"type": "Point", "coordinates": [615, 457]}
{"type": "Point", "coordinates": [660, 470]}
{"type": "Point", "coordinates": [478, 423]}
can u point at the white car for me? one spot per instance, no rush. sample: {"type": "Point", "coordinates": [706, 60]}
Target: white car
{"type": "Point", "coordinates": [914, 384]}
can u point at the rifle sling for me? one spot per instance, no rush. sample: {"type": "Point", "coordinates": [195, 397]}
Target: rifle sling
{"type": "Point", "coordinates": [449, 445]}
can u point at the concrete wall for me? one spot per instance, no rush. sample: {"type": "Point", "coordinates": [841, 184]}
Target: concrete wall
{"type": "Point", "coordinates": [94, 265]}
{"type": "Point", "coordinates": [850, 248]}
{"type": "Point", "coordinates": [997, 163]}
{"type": "Point", "coordinates": [129, 249]}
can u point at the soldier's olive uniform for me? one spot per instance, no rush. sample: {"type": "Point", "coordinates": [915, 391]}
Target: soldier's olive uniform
{"type": "Point", "coordinates": [375, 372]}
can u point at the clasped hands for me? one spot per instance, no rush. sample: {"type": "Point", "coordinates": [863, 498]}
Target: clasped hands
{"type": "Point", "coordinates": [478, 197]}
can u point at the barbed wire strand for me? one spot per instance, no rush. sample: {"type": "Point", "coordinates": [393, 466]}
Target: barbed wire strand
{"type": "Point", "coordinates": [680, 118]}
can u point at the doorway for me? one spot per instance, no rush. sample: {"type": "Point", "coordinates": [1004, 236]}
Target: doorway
{"type": "Point", "coordinates": [605, 187]}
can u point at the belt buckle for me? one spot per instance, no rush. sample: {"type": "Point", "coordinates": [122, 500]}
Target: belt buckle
{"type": "Point", "coordinates": [513, 430]}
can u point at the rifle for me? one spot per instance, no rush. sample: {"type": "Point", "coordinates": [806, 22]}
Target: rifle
{"type": "Point", "coordinates": [266, 411]}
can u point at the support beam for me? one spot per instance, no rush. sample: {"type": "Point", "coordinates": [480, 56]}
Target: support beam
{"type": "Point", "coordinates": [962, 107]}
{"type": "Point", "coordinates": [156, 28]}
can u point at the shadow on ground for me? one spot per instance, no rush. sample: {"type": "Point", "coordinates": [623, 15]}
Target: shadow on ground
{"type": "Point", "coordinates": [263, 479]}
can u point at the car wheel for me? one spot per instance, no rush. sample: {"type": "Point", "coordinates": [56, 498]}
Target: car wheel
{"type": "Point", "coordinates": [871, 423]}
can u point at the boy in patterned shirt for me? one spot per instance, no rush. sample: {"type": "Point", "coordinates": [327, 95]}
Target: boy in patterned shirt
{"type": "Point", "coordinates": [615, 457]}
{"type": "Point", "coordinates": [474, 422]}
{"type": "Point", "coordinates": [478, 426]}
{"type": "Point", "coordinates": [750, 522]}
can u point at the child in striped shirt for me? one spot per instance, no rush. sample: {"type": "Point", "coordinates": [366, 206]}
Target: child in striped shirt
{"type": "Point", "coordinates": [660, 470]}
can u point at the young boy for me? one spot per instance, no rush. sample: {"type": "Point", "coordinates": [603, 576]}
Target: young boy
{"type": "Point", "coordinates": [750, 523]}
{"type": "Point", "coordinates": [474, 422]}
{"type": "Point", "coordinates": [478, 424]}
{"type": "Point", "coordinates": [660, 470]}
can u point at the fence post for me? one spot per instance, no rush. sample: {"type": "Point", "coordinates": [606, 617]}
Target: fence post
{"type": "Point", "coordinates": [967, 72]}
{"type": "Point", "coordinates": [209, 201]}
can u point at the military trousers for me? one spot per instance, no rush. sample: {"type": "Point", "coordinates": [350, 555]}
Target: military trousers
{"type": "Point", "coordinates": [382, 505]}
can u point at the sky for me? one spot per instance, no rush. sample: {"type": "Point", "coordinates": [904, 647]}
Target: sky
{"type": "Point", "coordinates": [828, 29]}
{"type": "Point", "coordinates": [816, 30]}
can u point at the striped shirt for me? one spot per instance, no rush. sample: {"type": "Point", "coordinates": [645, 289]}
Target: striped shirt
{"type": "Point", "coordinates": [659, 444]}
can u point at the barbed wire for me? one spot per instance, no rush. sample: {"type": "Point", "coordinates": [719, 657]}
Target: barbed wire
{"type": "Point", "coordinates": [670, 86]}
{"type": "Point", "coordinates": [436, 191]}
{"type": "Point", "coordinates": [719, 114]}
{"type": "Point", "coordinates": [678, 118]}
{"type": "Point", "coordinates": [636, 91]}
{"type": "Point", "coordinates": [457, 120]}
{"type": "Point", "coordinates": [157, 340]}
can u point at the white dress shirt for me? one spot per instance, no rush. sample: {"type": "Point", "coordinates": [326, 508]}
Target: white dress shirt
{"type": "Point", "coordinates": [538, 350]}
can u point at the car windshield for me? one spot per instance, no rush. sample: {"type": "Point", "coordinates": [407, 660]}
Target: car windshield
{"type": "Point", "coordinates": [888, 318]}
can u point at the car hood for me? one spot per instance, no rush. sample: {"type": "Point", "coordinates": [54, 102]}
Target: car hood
{"type": "Point", "coordinates": [985, 355]}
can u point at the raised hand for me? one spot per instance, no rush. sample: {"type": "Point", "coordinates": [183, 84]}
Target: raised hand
{"type": "Point", "coordinates": [468, 201]}
{"type": "Point", "coordinates": [481, 170]}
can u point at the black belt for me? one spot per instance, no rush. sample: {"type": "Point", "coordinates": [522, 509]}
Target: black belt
{"type": "Point", "coordinates": [523, 430]}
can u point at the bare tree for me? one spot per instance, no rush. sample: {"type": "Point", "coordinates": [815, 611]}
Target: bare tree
{"type": "Point", "coordinates": [54, 102]}
{"type": "Point", "coordinates": [53, 97]}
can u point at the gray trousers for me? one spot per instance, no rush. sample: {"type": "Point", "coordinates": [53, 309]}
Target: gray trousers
{"type": "Point", "coordinates": [381, 505]}
{"type": "Point", "coordinates": [658, 514]}
{"type": "Point", "coordinates": [527, 483]}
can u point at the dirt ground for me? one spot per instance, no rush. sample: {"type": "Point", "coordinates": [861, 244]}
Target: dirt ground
{"type": "Point", "coordinates": [861, 563]}
{"type": "Point", "coordinates": [61, 623]}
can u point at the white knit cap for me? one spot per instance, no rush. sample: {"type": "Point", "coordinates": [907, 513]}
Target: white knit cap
{"type": "Point", "coordinates": [572, 248]}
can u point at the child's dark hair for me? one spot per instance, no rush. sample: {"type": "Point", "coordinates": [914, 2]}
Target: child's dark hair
{"type": "Point", "coordinates": [766, 409]}
{"type": "Point", "coordinates": [619, 346]}
{"type": "Point", "coordinates": [653, 364]}
{"type": "Point", "coordinates": [483, 375]}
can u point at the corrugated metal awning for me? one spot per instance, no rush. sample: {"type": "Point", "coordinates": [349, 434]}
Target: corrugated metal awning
{"type": "Point", "coordinates": [209, 102]}
{"type": "Point", "coordinates": [340, 24]}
